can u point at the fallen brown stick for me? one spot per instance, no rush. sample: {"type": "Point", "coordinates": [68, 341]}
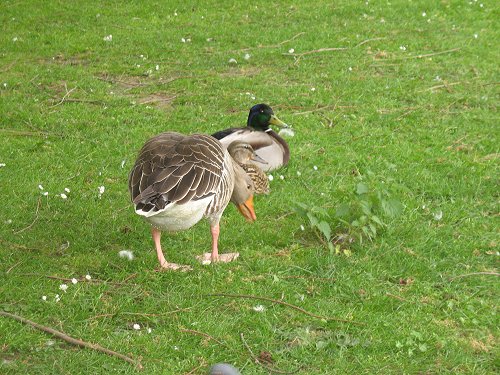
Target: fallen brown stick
{"type": "Point", "coordinates": [285, 304]}
{"type": "Point", "coordinates": [202, 334]}
{"type": "Point", "coordinates": [475, 274]}
{"type": "Point", "coordinates": [257, 360]}
{"type": "Point", "coordinates": [71, 340]}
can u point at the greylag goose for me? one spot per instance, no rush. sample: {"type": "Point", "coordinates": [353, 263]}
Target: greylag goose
{"type": "Point", "coordinates": [179, 179]}
{"type": "Point", "coordinates": [266, 142]}
{"type": "Point", "coordinates": [244, 154]}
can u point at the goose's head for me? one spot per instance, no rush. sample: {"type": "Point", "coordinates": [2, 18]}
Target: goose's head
{"type": "Point", "coordinates": [243, 152]}
{"type": "Point", "coordinates": [242, 195]}
{"type": "Point", "coordinates": [261, 116]}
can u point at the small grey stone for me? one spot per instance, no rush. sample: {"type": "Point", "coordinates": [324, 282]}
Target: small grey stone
{"type": "Point", "coordinates": [223, 369]}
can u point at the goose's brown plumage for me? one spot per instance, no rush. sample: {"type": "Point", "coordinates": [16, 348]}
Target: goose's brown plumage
{"type": "Point", "coordinates": [173, 168]}
{"type": "Point", "coordinates": [178, 179]}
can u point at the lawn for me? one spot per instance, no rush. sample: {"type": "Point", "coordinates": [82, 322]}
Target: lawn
{"type": "Point", "coordinates": [394, 104]}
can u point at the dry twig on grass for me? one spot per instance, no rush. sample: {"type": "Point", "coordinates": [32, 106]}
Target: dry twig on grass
{"type": "Point", "coordinates": [202, 334]}
{"type": "Point", "coordinates": [368, 40]}
{"type": "Point", "coordinates": [34, 220]}
{"type": "Point", "coordinates": [319, 50]}
{"type": "Point", "coordinates": [428, 54]}
{"type": "Point", "coordinates": [271, 45]}
{"type": "Point", "coordinates": [68, 92]}
{"type": "Point", "coordinates": [82, 279]}
{"type": "Point", "coordinates": [72, 340]}
{"type": "Point", "coordinates": [203, 363]}
{"type": "Point", "coordinates": [284, 304]}
{"type": "Point", "coordinates": [396, 297]}
{"type": "Point", "coordinates": [267, 367]}
{"type": "Point", "coordinates": [475, 274]}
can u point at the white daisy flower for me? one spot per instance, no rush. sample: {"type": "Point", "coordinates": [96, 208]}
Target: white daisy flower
{"type": "Point", "coordinates": [40, 187]}
{"type": "Point", "coordinates": [45, 193]}
{"type": "Point", "coordinates": [44, 298]}
{"type": "Point", "coordinates": [63, 287]}
{"type": "Point", "coordinates": [259, 308]}
{"type": "Point", "coordinates": [64, 196]}
{"type": "Point", "coordinates": [136, 326]}
{"type": "Point", "coordinates": [88, 277]}
{"type": "Point", "coordinates": [438, 215]}
{"type": "Point", "coordinates": [302, 228]}
{"type": "Point", "coordinates": [232, 61]}
{"type": "Point", "coordinates": [108, 38]}
{"type": "Point", "coordinates": [315, 168]}
{"type": "Point", "coordinates": [247, 56]}
{"type": "Point", "coordinates": [299, 174]}
{"type": "Point", "coordinates": [126, 254]}
{"type": "Point", "coordinates": [282, 177]}
{"type": "Point", "coordinates": [291, 50]}
{"type": "Point", "coordinates": [150, 330]}
{"type": "Point", "coordinates": [67, 190]}
{"type": "Point", "coordinates": [270, 177]}
{"type": "Point", "coordinates": [57, 298]}
{"type": "Point", "coordinates": [74, 281]}
{"type": "Point", "coordinates": [424, 14]}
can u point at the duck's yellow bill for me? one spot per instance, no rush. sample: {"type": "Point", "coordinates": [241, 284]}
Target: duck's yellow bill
{"type": "Point", "coordinates": [277, 122]}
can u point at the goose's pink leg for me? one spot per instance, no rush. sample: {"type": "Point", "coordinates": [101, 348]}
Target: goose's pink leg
{"type": "Point", "coordinates": [163, 262]}
{"type": "Point", "coordinates": [213, 257]}
{"type": "Point", "coordinates": [215, 230]}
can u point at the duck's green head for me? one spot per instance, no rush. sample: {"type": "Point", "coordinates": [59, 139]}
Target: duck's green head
{"type": "Point", "coordinates": [261, 116]}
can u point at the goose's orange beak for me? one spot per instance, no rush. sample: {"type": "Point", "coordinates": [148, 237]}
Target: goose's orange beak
{"type": "Point", "coordinates": [247, 209]}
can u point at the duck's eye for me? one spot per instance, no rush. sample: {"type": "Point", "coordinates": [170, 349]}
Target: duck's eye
{"type": "Point", "coordinates": [261, 111]}
{"type": "Point", "coordinates": [249, 186]}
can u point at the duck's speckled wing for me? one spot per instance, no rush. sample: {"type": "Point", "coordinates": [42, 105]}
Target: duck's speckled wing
{"type": "Point", "coordinates": [175, 168]}
{"type": "Point", "coordinates": [259, 178]}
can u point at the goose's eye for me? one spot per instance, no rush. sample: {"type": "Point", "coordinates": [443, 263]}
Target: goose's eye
{"type": "Point", "coordinates": [249, 186]}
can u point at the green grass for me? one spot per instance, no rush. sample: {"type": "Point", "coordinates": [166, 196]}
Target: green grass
{"type": "Point", "coordinates": [75, 106]}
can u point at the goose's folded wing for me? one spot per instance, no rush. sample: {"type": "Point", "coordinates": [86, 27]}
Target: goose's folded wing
{"type": "Point", "coordinates": [173, 168]}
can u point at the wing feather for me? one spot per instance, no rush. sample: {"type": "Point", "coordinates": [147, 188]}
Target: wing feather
{"type": "Point", "coordinates": [175, 168]}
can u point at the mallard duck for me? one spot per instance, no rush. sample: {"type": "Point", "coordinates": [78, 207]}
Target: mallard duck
{"type": "Point", "coordinates": [265, 141]}
{"type": "Point", "coordinates": [179, 179]}
{"type": "Point", "coordinates": [244, 154]}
